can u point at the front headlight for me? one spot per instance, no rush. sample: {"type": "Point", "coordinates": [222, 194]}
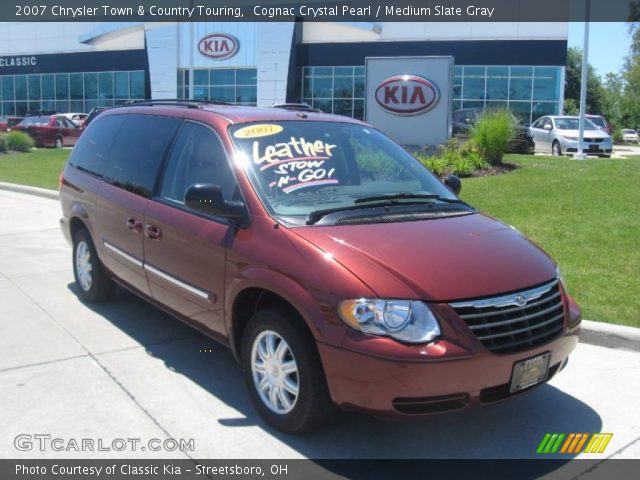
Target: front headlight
{"type": "Point", "coordinates": [405, 320]}
{"type": "Point", "coordinates": [571, 139]}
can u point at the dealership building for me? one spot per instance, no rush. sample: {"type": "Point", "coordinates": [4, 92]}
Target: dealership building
{"type": "Point", "coordinates": [78, 66]}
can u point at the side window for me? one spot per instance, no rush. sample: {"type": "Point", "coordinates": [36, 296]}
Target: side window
{"type": "Point", "coordinates": [546, 122]}
{"type": "Point", "coordinates": [137, 152]}
{"type": "Point", "coordinates": [60, 122]}
{"type": "Point", "coordinates": [198, 156]}
{"type": "Point", "coordinates": [91, 152]}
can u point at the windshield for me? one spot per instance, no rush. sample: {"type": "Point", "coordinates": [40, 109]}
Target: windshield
{"type": "Point", "coordinates": [574, 124]}
{"type": "Point", "coordinates": [298, 167]}
{"type": "Point", "coordinates": [35, 121]}
{"type": "Point", "coordinates": [599, 121]}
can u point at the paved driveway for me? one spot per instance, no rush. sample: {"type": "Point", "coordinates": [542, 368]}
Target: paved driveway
{"type": "Point", "coordinates": [127, 370]}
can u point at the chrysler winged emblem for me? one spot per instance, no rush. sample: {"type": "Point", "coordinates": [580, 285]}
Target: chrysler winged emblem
{"type": "Point", "coordinates": [520, 300]}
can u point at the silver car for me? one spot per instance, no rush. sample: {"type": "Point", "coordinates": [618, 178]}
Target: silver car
{"type": "Point", "coordinates": [559, 135]}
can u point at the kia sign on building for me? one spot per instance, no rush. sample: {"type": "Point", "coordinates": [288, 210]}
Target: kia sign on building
{"type": "Point", "coordinates": [409, 98]}
{"type": "Point", "coordinates": [219, 46]}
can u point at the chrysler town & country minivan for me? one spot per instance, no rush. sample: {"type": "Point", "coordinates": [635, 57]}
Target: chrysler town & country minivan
{"type": "Point", "coordinates": [336, 267]}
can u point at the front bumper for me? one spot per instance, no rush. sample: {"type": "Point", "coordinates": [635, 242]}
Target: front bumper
{"type": "Point", "coordinates": [590, 148]}
{"type": "Point", "coordinates": [372, 374]}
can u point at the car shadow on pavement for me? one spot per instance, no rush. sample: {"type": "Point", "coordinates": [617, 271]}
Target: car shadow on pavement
{"type": "Point", "coordinates": [511, 429]}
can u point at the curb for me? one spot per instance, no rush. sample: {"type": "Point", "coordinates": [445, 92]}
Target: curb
{"type": "Point", "coordinates": [594, 333]}
{"type": "Point", "coordinates": [609, 335]}
{"type": "Point", "coordinates": [39, 192]}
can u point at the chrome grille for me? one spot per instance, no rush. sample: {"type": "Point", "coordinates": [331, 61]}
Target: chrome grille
{"type": "Point", "coordinates": [515, 322]}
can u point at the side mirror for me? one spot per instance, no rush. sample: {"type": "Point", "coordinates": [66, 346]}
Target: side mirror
{"type": "Point", "coordinates": [547, 127]}
{"type": "Point", "coordinates": [454, 183]}
{"type": "Point", "coordinates": [207, 198]}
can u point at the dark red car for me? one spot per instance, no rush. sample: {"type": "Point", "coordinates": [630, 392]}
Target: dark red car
{"type": "Point", "coordinates": [336, 267]}
{"type": "Point", "coordinates": [50, 130]}
{"type": "Point", "coordinates": [7, 122]}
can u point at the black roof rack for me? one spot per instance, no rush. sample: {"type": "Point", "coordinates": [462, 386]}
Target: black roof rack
{"type": "Point", "coordinates": [186, 102]}
{"type": "Point", "coordinates": [300, 107]}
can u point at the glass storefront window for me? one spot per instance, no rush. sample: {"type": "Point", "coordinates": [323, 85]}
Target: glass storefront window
{"type": "Point", "coordinates": [525, 90]}
{"type": "Point", "coordinates": [201, 77]}
{"type": "Point", "coordinates": [338, 90]}
{"type": "Point", "coordinates": [34, 89]}
{"type": "Point", "coordinates": [137, 85]}
{"type": "Point", "coordinates": [105, 82]}
{"type": "Point", "coordinates": [221, 76]}
{"type": "Point", "coordinates": [121, 85]}
{"type": "Point", "coordinates": [67, 92]}
{"type": "Point", "coordinates": [473, 83]}
{"type": "Point", "coordinates": [230, 85]}
{"type": "Point", "coordinates": [497, 83]}
{"type": "Point", "coordinates": [62, 86]}
{"type": "Point", "coordinates": [91, 85]}
{"type": "Point", "coordinates": [76, 89]}
{"type": "Point", "coordinates": [8, 88]}
{"type": "Point", "coordinates": [21, 87]}
{"type": "Point", "coordinates": [246, 76]}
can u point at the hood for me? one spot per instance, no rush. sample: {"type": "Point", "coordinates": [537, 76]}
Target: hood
{"type": "Point", "coordinates": [587, 133]}
{"type": "Point", "coordinates": [439, 260]}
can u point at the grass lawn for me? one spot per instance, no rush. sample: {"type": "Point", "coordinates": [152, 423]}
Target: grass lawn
{"type": "Point", "coordinates": [39, 168]}
{"type": "Point", "coordinates": [586, 215]}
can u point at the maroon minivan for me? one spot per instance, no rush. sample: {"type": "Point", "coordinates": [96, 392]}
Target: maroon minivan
{"type": "Point", "coordinates": [336, 267]}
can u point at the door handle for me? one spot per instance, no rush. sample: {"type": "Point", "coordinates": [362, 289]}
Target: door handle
{"type": "Point", "coordinates": [152, 232]}
{"type": "Point", "coordinates": [134, 224]}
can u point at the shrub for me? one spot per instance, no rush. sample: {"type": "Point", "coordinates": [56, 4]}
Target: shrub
{"type": "Point", "coordinates": [491, 134]}
{"type": "Point", "coordinates": [476, 160]}
{"type": "Point", "coordinates": [3, 144]}
{"type": "Point", "coordinates": [617, 135]}
{"type": "Point", "coordinates": [462, 167]}
{"type": "Point", "coordinates": [18, 141]}
{"type": "Point", "coordinates": [437, 165]}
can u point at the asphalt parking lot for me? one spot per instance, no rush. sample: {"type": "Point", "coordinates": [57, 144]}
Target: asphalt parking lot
{"type": "Point", "coordinates": [127, 370]}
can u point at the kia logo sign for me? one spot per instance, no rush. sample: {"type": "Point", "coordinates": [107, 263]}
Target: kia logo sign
{"type": "Point", "coordinates": [407, 95]}
{"type": "Point", "coordinates": [219, 46]}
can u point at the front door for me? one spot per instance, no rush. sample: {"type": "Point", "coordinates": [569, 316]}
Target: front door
{"type": "Point", "coordinates": [185, 250]}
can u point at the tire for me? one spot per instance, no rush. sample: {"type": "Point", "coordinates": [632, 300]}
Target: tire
{"type": "Point", "coordinates": [59, 143]}
{"type": "Point", "coordinates": [556, 151]}
{"type": "Point", "coordinates": [93, 283]}
{"type": "Point", "coordinates": [289, 413]}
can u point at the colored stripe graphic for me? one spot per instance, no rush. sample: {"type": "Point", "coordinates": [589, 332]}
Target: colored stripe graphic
{"type": "Point", "coordinates": [598, 442]}
{"type": "Point", "coordinates": [543, 443]}
{"type": "Point", "coordinates": [572, 443]}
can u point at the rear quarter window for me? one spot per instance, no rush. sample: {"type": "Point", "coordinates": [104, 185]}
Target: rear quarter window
{"type": "Point", "coordinates": [91, 153]}
{"type": "Point", "coordinates": [138, 151]}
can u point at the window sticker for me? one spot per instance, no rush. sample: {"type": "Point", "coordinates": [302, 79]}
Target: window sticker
{"type": "Point", "coordinates": [296, 164]}
{"type": "Point", "coordinates": [256, 131]}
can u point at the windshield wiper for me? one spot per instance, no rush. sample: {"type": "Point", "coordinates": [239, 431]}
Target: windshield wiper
{"type": "Point", "coordinates": [378, 202]}
{"type": "Point", "coordinates": [410, 196]}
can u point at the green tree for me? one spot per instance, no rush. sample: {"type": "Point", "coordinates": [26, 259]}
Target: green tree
{"type": "Point", "coordinates": [573, 75]}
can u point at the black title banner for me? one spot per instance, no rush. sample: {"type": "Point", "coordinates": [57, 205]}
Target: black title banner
{"type": "Point", "coordinates": [317, 469]}
{"type": "Point", "coordinates": [320, 10]}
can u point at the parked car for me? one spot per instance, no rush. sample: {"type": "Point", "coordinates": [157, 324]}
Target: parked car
{"type": "Point", "coordinates": [93, 114]}
{"type": "Point", "coordinates": [463, 120]}
{"type": "Point", "coordinates": [7, 122]}
{"type": "Point", "coordinates": [78, 119]}
{"type": "Point", "coordinates": [629, 136]}
{"type": "Point", "coordinates": [337, 268]}
{"type": "Point", "coordinates": [559, 135]}
{"type": "Point", "coordinates": [600, 122]}
{"type": "Point", "coordinates": [50, 130]}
